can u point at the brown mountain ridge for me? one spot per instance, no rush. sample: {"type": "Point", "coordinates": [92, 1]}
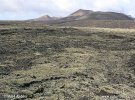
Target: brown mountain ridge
{"type": "Point", "coordinates": [46, 18]}
{"type": "Point", "coordinates": [82, 14]}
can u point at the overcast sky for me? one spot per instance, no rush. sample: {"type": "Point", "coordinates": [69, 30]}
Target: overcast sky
{"type": "Point", "coordinates": [27, 9]}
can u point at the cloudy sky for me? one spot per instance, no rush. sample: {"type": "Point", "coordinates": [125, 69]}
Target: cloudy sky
{"type": "Point", "coordinates": [27, 9]}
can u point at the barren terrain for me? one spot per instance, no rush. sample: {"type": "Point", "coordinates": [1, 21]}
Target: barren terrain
{"type": "Point", "coordinates": [45, 62]}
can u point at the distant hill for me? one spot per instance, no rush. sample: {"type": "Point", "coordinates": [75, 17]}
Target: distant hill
{"type": "Point", "coordinates": [106, 16]}
{"type": "Point", "coordinates": [81, 14]}
{"type": "Point", "coordinates": [91, 15]}
{"type": "Point", "coordinates": [76, 15]}
{"type": "Point", "coordinates": [45, 18]}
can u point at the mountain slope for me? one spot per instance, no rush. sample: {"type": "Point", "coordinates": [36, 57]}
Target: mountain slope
{"type": "Point", "coordinates": [106, 16]}
{"type": "Point", "coordinates": [98, 15]}
{"type": "Point", "coordinates": [46, 18]}
{"type": "Point", "coordinates": [86, 15]}
{"type": "Point", "coordinates": [81, 12]}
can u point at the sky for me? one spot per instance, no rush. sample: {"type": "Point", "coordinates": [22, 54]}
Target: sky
{"type": "Point", "coordinates": [29, 9]}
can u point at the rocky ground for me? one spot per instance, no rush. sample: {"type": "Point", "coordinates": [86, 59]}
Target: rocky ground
{"type": "Point", "coordinates": [57, 63]}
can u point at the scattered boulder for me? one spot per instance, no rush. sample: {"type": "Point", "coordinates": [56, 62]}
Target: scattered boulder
{"type": "Point", "coordinates": [39, 90]}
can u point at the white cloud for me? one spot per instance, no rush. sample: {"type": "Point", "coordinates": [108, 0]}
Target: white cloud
{"type": "Point", "coordinates": [62, 4]}
{"type": "Point", "coordinates": [25, 9]}
{"type": "Point", "coordinates": [105, 4]}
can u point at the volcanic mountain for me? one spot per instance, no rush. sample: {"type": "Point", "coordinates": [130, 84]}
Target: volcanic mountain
{"type": "Point", "coordinates": [98, 15]}
{"type": "Point", "coordinates": [46, 18]}
{"type": "Point", "coordinates": [106, 16]}
{"type": "Point", "coordinates": [86, 15]}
